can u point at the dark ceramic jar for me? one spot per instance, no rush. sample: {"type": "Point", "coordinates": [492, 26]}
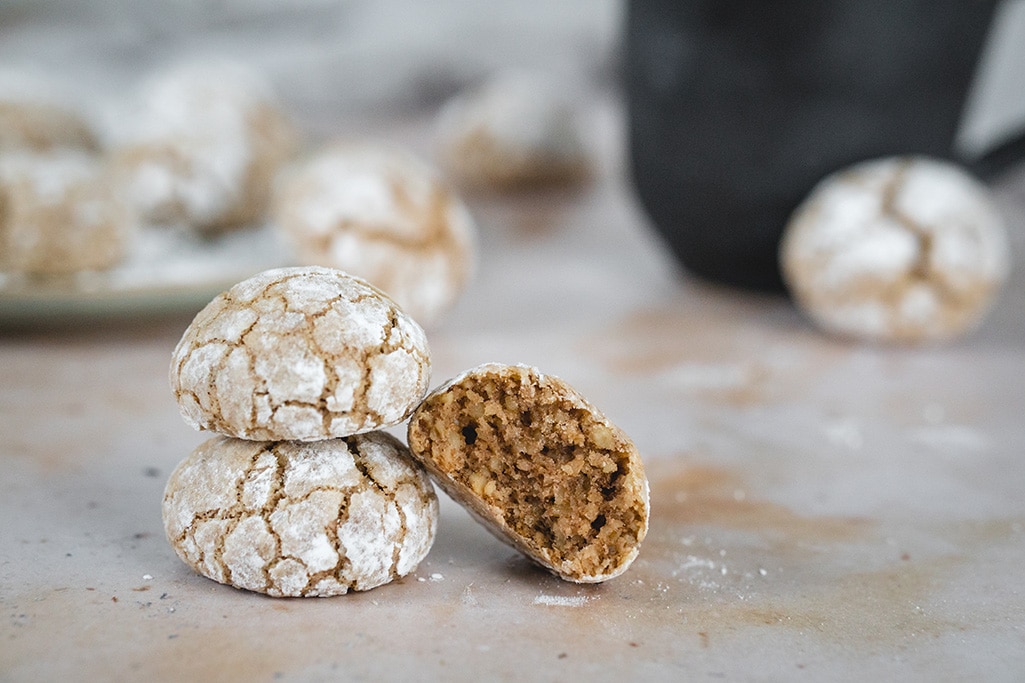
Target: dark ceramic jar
{"type": "Point", "coordinates": [738, 107]}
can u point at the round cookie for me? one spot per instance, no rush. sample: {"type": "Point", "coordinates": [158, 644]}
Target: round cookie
{"type": "Point", "coordinates": [516, 129]}
{"type": "Point", "coordinates": [203, 146]}
{"type": "Point", "coordinates": [295, 519]}
{"type": "Point", "coordinates": [34, 116]}
{"type": "Point", "coordinates": [300, 354]}
{"type": "Point", "coordinates": [381, 214]}
{"type": "Point", "coordinates": [539, 466]}
{"type": "Point", "coordinates": [905, 249]}
{"type": "Point", "coordinates": [59, 214]}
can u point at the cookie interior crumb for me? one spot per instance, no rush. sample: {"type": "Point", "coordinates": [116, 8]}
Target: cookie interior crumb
{"type": "Point", "coordinates": [560, 478]}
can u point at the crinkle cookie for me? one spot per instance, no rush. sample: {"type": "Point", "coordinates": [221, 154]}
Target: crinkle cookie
{"type": "Point", "coordinates": [381, 214]}
{"type": "Point", "coordinates": [301, 519]}
{"type": "Point", "coordinates": [203, 146]}
{"type": "Point", "coordinates": [300, 353]}
{"type": "Point", "coordinates": [516, 129]}
{"type": "Point", "coordinates": [901, 249]}
{"type": "Point", "coordinates": [59, 214]}
{"type": "Point", "coordinates": [34, 116]}
{"type": "Point", "coordinates": [541, 467]}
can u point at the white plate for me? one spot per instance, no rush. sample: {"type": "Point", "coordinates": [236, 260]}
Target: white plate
{"type": "Point", "coordinates": [168, 270]}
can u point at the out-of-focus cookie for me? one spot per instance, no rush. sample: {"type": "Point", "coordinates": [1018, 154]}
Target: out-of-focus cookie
{"type": "Point", "coordinates": [295, 519]}
{"type": "Point", "coordinates": [383, 215]}
{"type": "Point", "coordinates": [904, 249]}
{"type": "Point", "coordinates": [540, 466]}
{"type": "Point", "coordinates": [203, 146]}
{"type": "Point", "coordinates": [59, 214]}
{"type": "Point", "coordinates": [302, 353]}
{"type": "Point", "coordinates": [514, 130]}
{"type": "Point", "coordinates": [34, 116]}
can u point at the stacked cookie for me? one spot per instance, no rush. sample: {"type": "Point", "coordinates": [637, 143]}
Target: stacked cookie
{"type": "Point", "coordinates": [299, 369]}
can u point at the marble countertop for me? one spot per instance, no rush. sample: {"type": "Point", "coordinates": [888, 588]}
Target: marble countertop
{"type": "Point", "coordinates": [821, 509]}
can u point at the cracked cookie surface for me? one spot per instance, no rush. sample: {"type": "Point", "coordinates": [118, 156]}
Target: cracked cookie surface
{"type": "Point", "coordinates": [383, 215]}
{"type": "Point", "coordinates": [900, 249]}
{"type": "Point", "coordinates": [302, 353]}
{"type": "Point", "coordinates": [294, 519]}
{"type": "Point", "coordinates": [539, 466]}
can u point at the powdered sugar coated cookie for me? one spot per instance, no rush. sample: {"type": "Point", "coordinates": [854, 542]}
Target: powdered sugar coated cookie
{"type": "Point", "coordinates": [295, 519]}
{"type": "Point", "coordinates": [203, 146]}
{"type": "Point", "coordinates": [515, 129]}
{"type": "Point", "coordinates": [898, 249]}
{"type": "Point", "coordinates": [36, 116]}
{"type": "Point", "coordinates": [301, 353]}
{"type": "Point", "coordinates": [59, 214]}
{"type": "Point", "coordinates": [381, 214]}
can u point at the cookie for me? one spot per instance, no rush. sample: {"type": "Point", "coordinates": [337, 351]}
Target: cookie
{"type": "Point", "coordinates": [302, 353]}
{"type": "Point", "coordinates": [59, 214]}
{"type": "Point", "coordinates": [514, 130]}
{"type": "Point", "coordinates": [202, 147]}
{"type": "Point", "coordinates": [381, 214]}
{"type": "Point", "coordinates": [540, 466]}
{"type": "Point", "coordinates": [903, 249]}
{"type": "Point", "coordinates": [36, 117]}
{"type": "Point", "coordinates": [295, 519]}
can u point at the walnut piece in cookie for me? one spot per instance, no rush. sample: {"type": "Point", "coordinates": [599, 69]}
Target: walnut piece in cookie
{"type": "Point", "coordinates": [202, 146]}
{"type": "Point", "coordinates": [59, 214]}
{"type": "Point", "coordinates": [905, 249]}
{"type": "Point", "coordinates": [516, 129]}
{"type": "Point", "coordinates": [301, 519]}
{"type": "Point", "coordinates": [541, 467]}
{"type": "Point", "coordinates": [383, 215]}
{"type": "Point", "coordinates": [302, 353]}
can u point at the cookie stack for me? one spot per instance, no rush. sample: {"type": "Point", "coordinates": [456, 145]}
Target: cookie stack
{"type": "Point", "coordinates": [299, 369]}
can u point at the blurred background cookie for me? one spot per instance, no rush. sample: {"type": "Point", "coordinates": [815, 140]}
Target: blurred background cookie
{"type": "Point", "coordinates": [60, 214]}
{"type": "Point", "coordinates": [36, 116]}
{"type": "Point", "coordinates": [379, 213]}
{"type": "Point", "coordinates": [898, 249]}
{"type": "Point", "coordinates": [202, 146]}
{"type": "Point", "coordinates": [516, 129]}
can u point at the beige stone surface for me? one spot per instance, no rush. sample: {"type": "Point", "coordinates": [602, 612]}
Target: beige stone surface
{"type": "Point", "coordinates": [820, 509]}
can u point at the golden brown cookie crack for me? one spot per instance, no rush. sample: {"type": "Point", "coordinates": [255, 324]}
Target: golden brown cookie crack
{"type": "Point", "coordinates": [228, 518]}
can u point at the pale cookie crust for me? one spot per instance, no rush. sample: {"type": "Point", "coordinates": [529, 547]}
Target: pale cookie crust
{"type": "Point", "coordinates": [35, 116]}
{"type": "Point", "coordinates": [203, 146]}
{"type": "Point", "coordinates": [539, 466]}
{"type": "Point", "coordinates": [381, 214]}
{"type": "Point", "coordinates": [302, 353]}
{"type": "Point", "coordinates": [903, 249]}
{"type": "Point", "coordinates": [514, 130]}
{"type": "Point", "coordinates": [294, 519]}
{"type": "Point", "coordinates": [59, 214]}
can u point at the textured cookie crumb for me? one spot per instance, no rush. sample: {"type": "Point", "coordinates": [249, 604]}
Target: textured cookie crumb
{"type": "Point", "coordinates": [300, 354]}
{"type": "Point", "coordinates": [301, 519]}
{"type": "Point", "coordinates": [542, 468]}
{"type": "Point", "coordinates": [904, 249]}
